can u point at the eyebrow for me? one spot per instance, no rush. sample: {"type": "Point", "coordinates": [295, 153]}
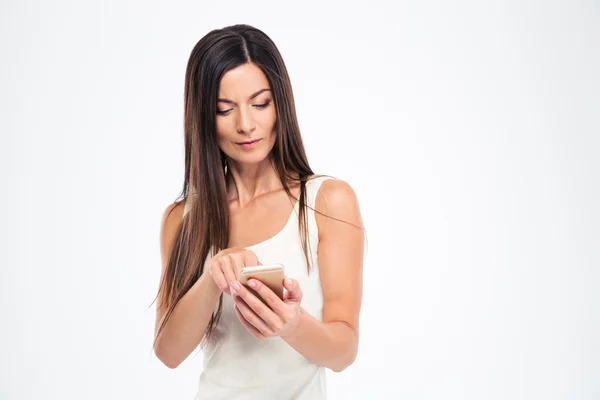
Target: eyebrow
{"type": "Point", "coordinates": [251, 97]}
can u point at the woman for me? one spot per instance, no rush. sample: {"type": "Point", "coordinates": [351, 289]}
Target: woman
{"type": "Point", "coordinates": [250, 197]}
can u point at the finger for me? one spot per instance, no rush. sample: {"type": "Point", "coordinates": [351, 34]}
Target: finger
{"type": "Point", "coordinates": [228, 271]}
{"type": "Point", "coordinates": [294, 292]}
{"type": "Point", "coordinates": [258, 307]}
{"type": "Point", "coordinates": [248, 326]}
{"type": "Point", "coordinates": [237, 261]}
{"type": "Point", "coordinates": [251, 317]}
{"type": "Point", "coordinates": [288, 283]}
{"type": "Point", "coordinates": [249, 258]}
{"type": "Point", "coordinates": [275, 312]}
{"type": "Point", "coordinates": [215, 271]}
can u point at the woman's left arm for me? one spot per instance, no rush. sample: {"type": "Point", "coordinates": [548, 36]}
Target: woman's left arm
{"type": "Point", "coordinates": [334, 342]}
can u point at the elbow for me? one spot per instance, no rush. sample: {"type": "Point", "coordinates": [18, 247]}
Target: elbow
{"type": "Point", "coordinates": [167, 359]}
{"type": "Point", "coordinates": [349, 354]}
{"type": "Point", "coordinates": [339, 368]}
{"type": "Point", "coordinates": [345, 361]}
{"type": "Point", "coordinates": [171, 364]}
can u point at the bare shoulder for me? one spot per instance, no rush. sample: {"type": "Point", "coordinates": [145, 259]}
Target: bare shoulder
{"type": "Point", "coordinates": [337, 199]}
{"type": "Point", "coordinates": [171, 220]}
{"type": "Point", "coordinates": [336, 192]}
{"type": "Point", "coordinates": [173, 214]}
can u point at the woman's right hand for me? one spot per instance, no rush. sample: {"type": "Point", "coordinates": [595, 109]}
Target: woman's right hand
{"type": "Point", "coordinates": [225, 266]}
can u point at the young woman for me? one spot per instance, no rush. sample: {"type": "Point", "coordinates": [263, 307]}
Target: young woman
{"type": "Point", "coordinates": [249, 198]}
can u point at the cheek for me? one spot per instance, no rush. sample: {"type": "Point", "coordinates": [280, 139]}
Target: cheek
{"type": "Point", "coordinates": [268, 119]}
{"type": "Point", "coordinates": [222, 126]}
{"type": "Point", "coordinates": [225, 130]}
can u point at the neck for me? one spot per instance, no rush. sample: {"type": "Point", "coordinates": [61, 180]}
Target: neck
{"type": "Point", "coordinates": [247, 181]}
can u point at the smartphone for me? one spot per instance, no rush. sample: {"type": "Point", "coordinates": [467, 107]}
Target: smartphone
{"type": "Point", "coordinates": [271, 275]}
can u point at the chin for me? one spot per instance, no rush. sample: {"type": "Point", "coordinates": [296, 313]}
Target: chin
{"type": "Point", "coordinates": [252, 158]}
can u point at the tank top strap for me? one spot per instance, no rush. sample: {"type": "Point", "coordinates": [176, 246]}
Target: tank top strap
{"type": "Point", "coordinates": [312, 188]}
{"type": "Point", "coordinates": [186, 206]}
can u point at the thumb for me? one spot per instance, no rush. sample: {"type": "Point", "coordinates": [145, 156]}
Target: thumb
{"type": "Point", "coordinates": [293, 289]}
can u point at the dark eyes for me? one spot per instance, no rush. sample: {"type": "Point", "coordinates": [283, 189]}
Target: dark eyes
{"type": "Point", "coordinates": [260, 106]}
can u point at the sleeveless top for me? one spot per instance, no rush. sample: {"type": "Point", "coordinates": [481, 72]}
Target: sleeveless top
{"type": "Point", "coordinates": [239, 366]}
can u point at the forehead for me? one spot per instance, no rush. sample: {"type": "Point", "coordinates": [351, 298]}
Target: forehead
{"type": "Point", "coordinates": [242, 81]}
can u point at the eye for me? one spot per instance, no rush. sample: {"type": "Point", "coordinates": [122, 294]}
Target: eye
{"type": "Point", "coordinates": [264, 105]}
{"type": "Point", "coordinates": [223, 112]}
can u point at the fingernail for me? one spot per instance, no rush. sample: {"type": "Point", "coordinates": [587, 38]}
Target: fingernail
{"type": "Point", "coordinates": [251, 283]}
{"type": "Point", "coordinates": [235, 287]}
{"type": "Point", "coordinates": [289, 281]}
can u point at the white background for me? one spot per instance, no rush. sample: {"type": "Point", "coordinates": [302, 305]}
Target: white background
{"type": "Point", "coordinates": [470, 132]}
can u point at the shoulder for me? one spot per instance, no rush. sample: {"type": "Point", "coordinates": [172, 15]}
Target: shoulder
{"type": "Point", "coordinates": [171, 220]}
{"type": "Point", "coordinates": [332, 193]}
{"type": "Point", "coordinates": [338, 201]}
{"type": "Point", "coordinates": [173, 213]}
{"type": "Point", "coordinates": [336, 192]}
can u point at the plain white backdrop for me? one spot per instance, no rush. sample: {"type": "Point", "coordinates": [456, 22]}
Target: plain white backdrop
{"type": "Point", "coordinates": [469, 130]}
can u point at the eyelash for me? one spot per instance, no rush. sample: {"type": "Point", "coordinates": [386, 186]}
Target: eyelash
{"type": "Point", "coordinates": [261, 106]}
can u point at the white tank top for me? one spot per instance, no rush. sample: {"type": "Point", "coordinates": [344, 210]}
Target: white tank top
{"type": "Point", "coordinates": [239, 366]}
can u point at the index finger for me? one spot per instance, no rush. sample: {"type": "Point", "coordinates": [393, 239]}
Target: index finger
{"type": "Point", "coordinates": [270, 298]}
{"type": "Point", "coordinates": [249, 258]}
{"type": "Point", "coordinates": [241, 260]}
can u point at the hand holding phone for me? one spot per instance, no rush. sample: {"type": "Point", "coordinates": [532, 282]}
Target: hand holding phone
{"type": "Point", "coordinates": [271, 275]}
{"type": "Point", "coordinates": [280, 319]}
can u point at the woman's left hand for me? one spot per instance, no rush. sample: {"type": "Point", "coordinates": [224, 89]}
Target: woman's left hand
{"type": "Point", "coordinates": [279, 320]}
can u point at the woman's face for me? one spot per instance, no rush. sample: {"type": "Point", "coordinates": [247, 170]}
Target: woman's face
{"type": "Point", "coordinates": [245, 115]}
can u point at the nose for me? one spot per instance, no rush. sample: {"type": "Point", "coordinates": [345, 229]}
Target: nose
{"type": "Point", "coordinates": [245, 121]}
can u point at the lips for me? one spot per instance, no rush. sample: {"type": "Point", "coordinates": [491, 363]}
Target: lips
{"type": "Point", "coordinates": [249, 142]}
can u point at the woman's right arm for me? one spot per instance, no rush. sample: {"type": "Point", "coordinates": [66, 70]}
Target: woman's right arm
{"type": "Point", "coordinates": [191, 316]}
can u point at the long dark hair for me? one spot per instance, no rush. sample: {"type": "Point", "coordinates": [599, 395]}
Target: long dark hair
{"type": "Point", "coordinates": [205, 227]}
